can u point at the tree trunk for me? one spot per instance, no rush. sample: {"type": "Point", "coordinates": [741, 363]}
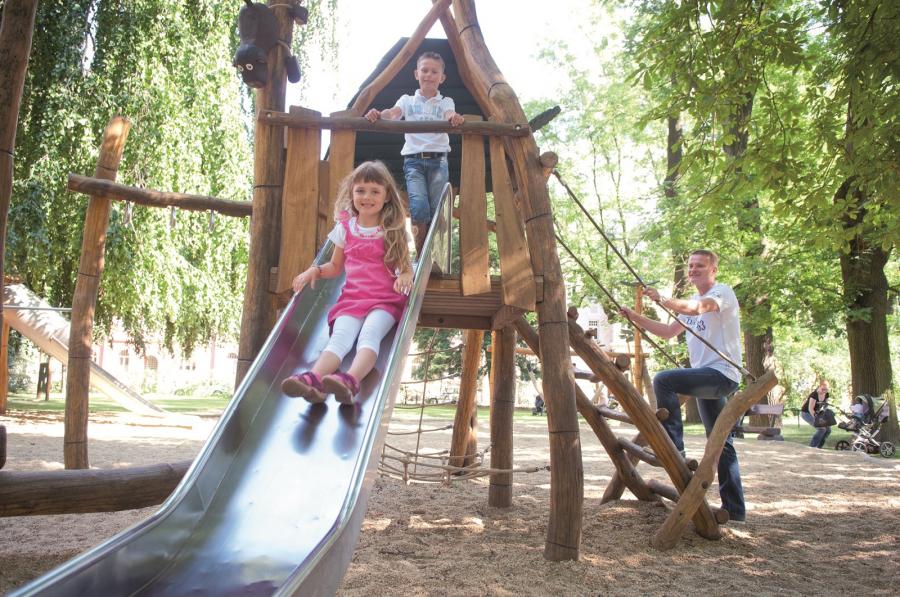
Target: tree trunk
{"type": "Point", "coordinates": [866, 300]}
{"type": "Point", "coordinates": [16, 29]}
{"type": "Point", "coordinates": [679, 254]}
{"type": "Point", "coordinates": [755, 308]}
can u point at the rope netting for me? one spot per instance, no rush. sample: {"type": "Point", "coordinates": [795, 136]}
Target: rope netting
{"type": "Point", "coordinates": [402, 463]}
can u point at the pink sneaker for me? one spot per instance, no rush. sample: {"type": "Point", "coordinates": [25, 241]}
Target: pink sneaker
{"type": "Point", "coordinates": [305, 385]}
{"type": "Point", "coordinates": [343, 385]}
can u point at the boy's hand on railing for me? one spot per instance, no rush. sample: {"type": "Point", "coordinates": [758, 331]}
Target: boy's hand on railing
{"type": "Point", "coordinates": [373, 115]}
{"type": "Point", "coordinates": [456, 119]}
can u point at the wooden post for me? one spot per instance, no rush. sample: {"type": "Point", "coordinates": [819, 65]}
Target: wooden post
{"type": "Point", "coordinates": [259, 312]}
{"type": "Point", "coordinates": [503, 401]}
{"type": "Point", "coordinates": [566, 472]}
{"type": "Point", "coordinates": [4, 367]}
{"type": "Point", "coordinates": [638, 372]}
{"type": "Point", "coordinates": [299, 204]}
{"type": "Point", "coordinates": [464, 438]}
{"type": "Point", "coordinates": [96, 221]}
{"type": "Point", "coordinates": [474, 263]}
{"type": "Point", "coordinates": [16, 29]}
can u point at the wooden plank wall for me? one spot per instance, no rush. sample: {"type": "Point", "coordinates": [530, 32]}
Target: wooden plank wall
{"type": "Point", "coordinates": [515, 260]}
{"type": "Point", "coordinates": [299, 203]}
{"type": "Point", "coordinates": [473, 234]}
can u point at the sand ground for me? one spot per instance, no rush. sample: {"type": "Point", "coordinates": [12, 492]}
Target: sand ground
{"type": "Point", "coordinates": [819, 522]}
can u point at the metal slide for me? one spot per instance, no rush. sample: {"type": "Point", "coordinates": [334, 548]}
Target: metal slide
{"type": "Point", "coordinates": [34, 318]}
{"type": "Point", "coordinates": [274, 502]}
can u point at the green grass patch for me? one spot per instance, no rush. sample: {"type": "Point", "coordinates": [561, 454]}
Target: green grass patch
{"type": "Point", "coordinates": [99, 403]}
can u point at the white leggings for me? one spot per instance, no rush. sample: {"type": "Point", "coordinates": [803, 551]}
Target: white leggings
{"type": "Point", "coordinates": [370, 331]}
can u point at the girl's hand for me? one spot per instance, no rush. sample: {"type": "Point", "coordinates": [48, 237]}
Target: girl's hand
{"type": "Point", "coordinates": [307, 277]}
{"type": "Point", "coordinates": [403, 283]}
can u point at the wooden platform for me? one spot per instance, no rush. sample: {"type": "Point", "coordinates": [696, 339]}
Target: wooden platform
{"type": "Point", "coordinates": [445, 306]}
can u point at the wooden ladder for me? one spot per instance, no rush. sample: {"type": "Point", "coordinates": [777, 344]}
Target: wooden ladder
{"type": "Point", "coordinates": [690, 479]}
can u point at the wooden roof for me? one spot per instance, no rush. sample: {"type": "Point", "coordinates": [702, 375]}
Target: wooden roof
{"type": "Point", "coordinates": [385, 146]}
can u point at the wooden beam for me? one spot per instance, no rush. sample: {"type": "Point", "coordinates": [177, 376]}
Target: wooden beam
{"type": "Point", "coordinates": [639, 452]}
{"type": "Point", "coordinates": [464, 442]}
{"type": "Point", "coordinates": [548, 162]}
{"type": "Point", "coordinates": [454, 322]}
{"type": "Point", "coordinates": [491, 224]}
{"type": "Point", "coordinates": [4, 367]}
{"type": "Point", "coordinates": [341, 156]}
{"type": "Point", "coordinates": [326, 206]}
{"type": "Point", "coordinates": [503, 403]}
{"type": "Point", "coordinates": [109, 190]}
{"type": "Point", "coordinates": [31, 493]}
{"type": "Point", "coordinates": [462, 64]}
{"type": "Point", "coordinates": [299, 203]}
{"type": "Point", "coordinates": [473, 234]}
{"type": "Point", "coordinates": [566, 470]}
{"type": "Point", "coordinates": [87, 284]}
{"type": "Point", "coordinates": [515, 263]}
{"type": "Point", "coordinates": [505, 316]}
{"type": "Point", "coordinates": [692, 497]}
{"type": "Point", "coordinates": [367, 95]}
{"type": "Point", "coordinates": [400, 127]}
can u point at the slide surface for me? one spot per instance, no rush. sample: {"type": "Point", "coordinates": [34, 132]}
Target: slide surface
{"type": "Point", "coordinates": [274, 501]}
{"type": "Point", "coordinates": [31, 317]}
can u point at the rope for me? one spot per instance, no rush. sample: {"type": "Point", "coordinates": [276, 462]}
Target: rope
{"type": "Point", "coordinates": [584, 267]}
{"type": "Point", "coordinates": [404, 464]}
{"type": "Point", "coordinates": [641, 281]}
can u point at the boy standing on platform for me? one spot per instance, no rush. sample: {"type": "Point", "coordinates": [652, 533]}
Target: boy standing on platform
{"type": "Point", "coordinates": [425, 154]}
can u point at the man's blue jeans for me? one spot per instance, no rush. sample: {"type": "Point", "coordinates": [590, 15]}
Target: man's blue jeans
{"type": "Point", "coordinates": [821, 434]}
{"type": "Point", "coordinates": [425, 179]}
{"type": "Point", "coordinates": [711, 388]}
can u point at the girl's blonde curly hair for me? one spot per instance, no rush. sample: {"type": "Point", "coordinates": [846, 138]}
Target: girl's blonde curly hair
{"type": "Point", "coordinates": [393, 213]}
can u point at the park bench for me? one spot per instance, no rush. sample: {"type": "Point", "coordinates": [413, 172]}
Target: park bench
{"type": "Point", "coordinates": [768, 432]}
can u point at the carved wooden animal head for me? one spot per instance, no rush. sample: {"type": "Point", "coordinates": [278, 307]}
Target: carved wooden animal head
{"type": "Point", "coordinates": [258, 30]}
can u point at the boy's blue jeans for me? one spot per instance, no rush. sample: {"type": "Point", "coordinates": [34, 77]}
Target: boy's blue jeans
{"type": "Point", "coordinates": [711, 388]}
{"type": "Point", "coordinates": [425, 179]}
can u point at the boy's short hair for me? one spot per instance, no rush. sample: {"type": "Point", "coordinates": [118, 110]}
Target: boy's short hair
{"type": "Point", "coordinates": [713, 258]}
{"type": "Point", "coordinates": [431, 56]}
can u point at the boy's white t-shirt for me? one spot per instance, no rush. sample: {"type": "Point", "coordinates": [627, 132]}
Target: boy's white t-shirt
{"type": "Point", "coordinates": [720, 328]}
{"type": "Point", "coordinates": [417, 108]}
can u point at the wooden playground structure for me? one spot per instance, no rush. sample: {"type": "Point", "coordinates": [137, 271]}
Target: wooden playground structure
{"type": "Point", "coordinates": [292, 201]}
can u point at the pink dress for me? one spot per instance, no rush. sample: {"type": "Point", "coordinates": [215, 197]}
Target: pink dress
{"type": "Point", "coordinates": [369, 284]}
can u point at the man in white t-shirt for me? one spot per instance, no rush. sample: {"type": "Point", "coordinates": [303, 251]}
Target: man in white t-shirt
{"type": "Point", "coordinates": [424, 154]}
{"type": "Point", "coordinates": [714, 315]}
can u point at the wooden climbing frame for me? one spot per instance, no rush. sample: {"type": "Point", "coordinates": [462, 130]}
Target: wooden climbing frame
{"type": "Point", "coordinates": [690, 479]}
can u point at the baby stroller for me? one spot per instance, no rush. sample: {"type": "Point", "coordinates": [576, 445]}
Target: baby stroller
{"type": "Point", "coordinates": [866, 430]}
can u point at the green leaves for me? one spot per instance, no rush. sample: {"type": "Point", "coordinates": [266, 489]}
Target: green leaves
{"type": "Point", "coordinates": [166, 65]}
